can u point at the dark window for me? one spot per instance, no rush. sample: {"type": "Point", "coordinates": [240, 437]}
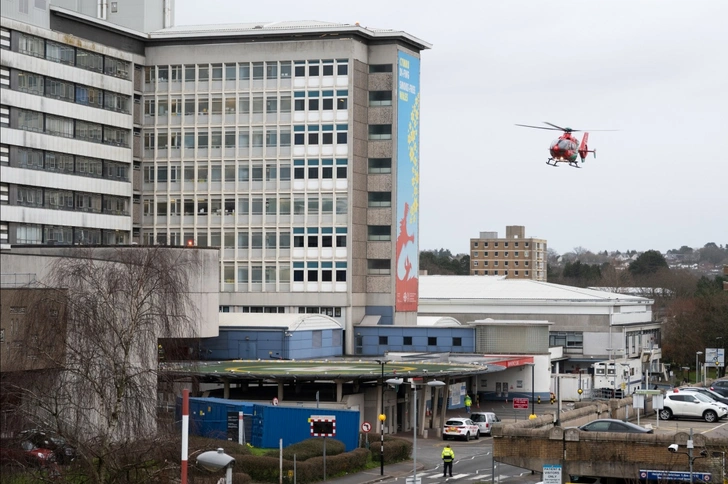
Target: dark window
{"type": "Point", "coordinates": [298, 275]}
{"type": "Point", "coordinates": [341, 276]}
{"type": "Point", "coordinates": [407, 341]}
{"type": "Point", "coordinates": [313, 138]}
{"type": "Point", "coordinates": [313, 275]}
{"type": "Point", "coordinates": [326, 240]}
{"type": "Point", "coordinates": [341, 241]}
{"type": "Point", "coordinates": [300, 71]}
{"type": "Point", "coordinates": [373, 68]}
{"type": "Point", "coordinates": [312, 172]}
{"type": "Point", "coordinates": [341, 138]}
{"type": "Point", "coordinates": [383, 165]}
{"type": "Point", "coordinates": [313, 104]}
{"type": "Point", "coordinates": [342, 69]}
{"type": "Point", "coordinates": [327, 138]}
{"type": "Point", "coordinates": [457, 341]}
{"type": "Point", "coordinates": [313, 240]}
{"type": "Point", "coordinates": [327, 104]}
{"type": "Point", "coordinates": [340, 172]}
{"type": "Point", "coordinates": [327, 171]}
{"type": "Point", "coordinates": [431, 341]}
{"type": "Point", "coordinates": [328, 70]}
{"type": "Point", "coordinates": [299, 105]}
{"type": "Point", "coordinates": [383, 340]}
{"type": "Point", "coordinates": [299, 173]}
{"type": "Point", "coordinates": [299, 139]}
{"type": "Point", "coordinates": [298, 241]}
{"type": "Point", "coordinates": [326, 275]}
{"type": "Point", "coordinates": [313, 70]}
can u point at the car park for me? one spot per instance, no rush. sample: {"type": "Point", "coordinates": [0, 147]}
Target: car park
{"type": "Point", "coordinates": [463, 428]}
{"type": "Point", "coordinates": [691, 405]}
{"type": "Point", "coordinates": [484, 421]}
{"type": "Point", "coordinates": [707, 392]}
{"type": "Point", "coordinates": [614, 425]}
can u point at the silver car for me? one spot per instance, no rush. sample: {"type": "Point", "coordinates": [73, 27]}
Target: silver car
{"type": "Point", "coordinates": [484, 421]}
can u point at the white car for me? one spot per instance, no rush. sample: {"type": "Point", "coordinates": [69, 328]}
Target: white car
{"type": "Point", "coordinates": [460, 428]}
{"type": "Point", "coordinates": [484, 421]}
{"type": "Point", "coordinates": [692, 405]}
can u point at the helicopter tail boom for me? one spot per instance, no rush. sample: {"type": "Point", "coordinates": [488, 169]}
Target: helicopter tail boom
{"type": "Point", "coordinates": [584, 148]}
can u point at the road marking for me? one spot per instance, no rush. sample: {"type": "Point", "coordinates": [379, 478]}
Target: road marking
{"type": "Point", "coordinates": [458, 476]}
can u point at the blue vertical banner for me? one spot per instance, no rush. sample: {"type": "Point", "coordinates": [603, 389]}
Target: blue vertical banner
{"type": "Point", "coordinates": [408, 181]}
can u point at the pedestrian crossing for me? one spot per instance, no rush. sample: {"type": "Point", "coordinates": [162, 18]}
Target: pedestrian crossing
{"type": "Point", "coordinates": [473, 476]}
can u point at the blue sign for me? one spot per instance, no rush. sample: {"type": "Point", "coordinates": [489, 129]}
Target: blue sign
{"type": "Point", "coordinates": [674, 476]}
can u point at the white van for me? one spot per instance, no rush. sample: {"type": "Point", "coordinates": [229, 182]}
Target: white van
{"type": "Point", "coordinates": [484, 421]}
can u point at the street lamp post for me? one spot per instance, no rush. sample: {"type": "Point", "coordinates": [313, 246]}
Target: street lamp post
{"type": "Point", "coordinates": [533, 399]}
{"type": "Point", "coordinates": [697, 372]}
{"type": "Point", "coordinates": [614, 373]}
{"type": "Point", "coordinates": [703, 454]}
{"type": "Point", "coordinates": [382, 418]}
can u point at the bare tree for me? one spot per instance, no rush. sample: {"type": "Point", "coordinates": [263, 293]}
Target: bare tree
{"type": "Point", "coordinates": [102, 391]}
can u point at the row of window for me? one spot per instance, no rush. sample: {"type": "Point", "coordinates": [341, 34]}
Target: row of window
{"type": "Point", "coordinates": [495, 244]}
{"type": "Point", "coordinates": [495, 263]}
{"type": "Point", "coordinates": [69, 55]}
{"type": "Point", "coordinates": [255, 137]}
{"type": "Point", "coordinates": [69, 128]}
{"type": "Point", "coordinates": [229, 172]}
{"type": "Point", "coordinates": [246, 172]}
{"type": "Point", "coordinates": [52, 234]}
{"type": "Point", "coordinates": [505, 273]}
{"type": "Point", "coordinates": [69, 164]}
{"type": "Point", "coordinates": [71, 200]}
{"type": "Point", "coordinates": [71, 92]}
{"type": "Point", "coordinates": [526, 253]}
{"type": "Point", "coordinates": [256, 104]}
{"type": "Point", "coordinates": [244, 71]}
{"type": "Point", "coordinates": [241, 239]}
{"type": "Point", "coordinates": [431, 341]}
{"type": "Point", "coordinates": [324, 204]}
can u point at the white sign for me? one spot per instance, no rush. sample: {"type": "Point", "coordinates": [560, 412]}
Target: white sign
{"type": "Point", "coordinates": [552, 474]}
{"type": "Point", "coordinates": [366, 427]}
{"type": "Point", "coordinates": [658, 402]}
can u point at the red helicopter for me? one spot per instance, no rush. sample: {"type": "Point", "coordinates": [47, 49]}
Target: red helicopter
{"type": "Point", "coordinates": [566, 148]}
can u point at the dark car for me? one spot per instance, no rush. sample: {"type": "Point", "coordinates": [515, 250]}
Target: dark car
{"type": "Point", "coordinates": [614, 425]}
{"type": "Point", "coordinates": [38, 439]}
{"type": "Point", "coordinates": [720, 386]}
{"type": "Point", "coordinates": [707, 392]}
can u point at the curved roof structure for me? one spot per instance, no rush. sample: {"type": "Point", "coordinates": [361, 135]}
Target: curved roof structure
{"type": "Point", "coordinates": [284, 321]}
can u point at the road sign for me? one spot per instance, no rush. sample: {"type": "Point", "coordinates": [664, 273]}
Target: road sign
{"type": "Point", "coordinates": [520, 403]}
{"type": "Point", "coordinates": [366, 427]}
{"type": "Point", "coordinates": [674, 476]}
{"type": "Point", "coordinates": [552, 474]}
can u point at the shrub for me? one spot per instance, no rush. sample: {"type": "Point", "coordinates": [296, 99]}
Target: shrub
{"type": "Point", "coordinates": [310, 448]}
{"type": "Point", "coordinates": [395, 450]}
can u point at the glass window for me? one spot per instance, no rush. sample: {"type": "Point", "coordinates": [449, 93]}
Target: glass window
{"type": "Point", "coordinates": [65, 54]}
{"type": "Point", "coordinates": [285, 104]}
{"type": "Point", "coordinates": [378, 266]}
{"type": "Point", "coordinates": [376, 68]}
{"type": "Point", "coordinates": [203, 73]}
{"type": "Point", "coordinates": [257, 70]}
{"type": "Point", "coordinates": [89, 60]}
{"type": "Point", "coordinates": [380, 165]}
{"type": "Point", "coordinates": [60, 89]}
{"type": "Point", "coordinates": [32, 83]}
{"type": "Point", "coordinates": [271, 70]}
{"type": "Point", "coordinates": [33, 121]}
{"type": "Point", "coordinates": [244, 71]}
{"type": "Point", "coordinates": [380, 131]}
{"type": "Point", "coordinates": [380, 199]}
{"type": "Point", "coordinates": [59, 126]}
{"type": "Point", "coordinates": [88, 131]}
{"type": "Point", "coordinates": [380, 98]}
{"type": "Point", "coordinates": [379, 232]}
{"type": "Point", "coordinates": [89, 96]}
{"type": "Point", "coordinates": [116, 67]}
{"type": "Point", "coordinates": [31, 45]}
{"type": "Point", "coordinates": [285, 70]}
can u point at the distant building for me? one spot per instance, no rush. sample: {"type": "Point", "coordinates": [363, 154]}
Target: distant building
{"type": "Point", "coordinates": [514, 256]}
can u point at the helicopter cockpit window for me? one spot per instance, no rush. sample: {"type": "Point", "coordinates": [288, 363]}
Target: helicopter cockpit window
{"type": "Point", "coordinates": [563, 144]}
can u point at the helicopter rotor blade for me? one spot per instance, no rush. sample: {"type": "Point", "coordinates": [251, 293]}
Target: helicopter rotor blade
{"type": "Point", "coordinates": [565, 130]}
{"type": "Point", "coordinates": [537, 127]}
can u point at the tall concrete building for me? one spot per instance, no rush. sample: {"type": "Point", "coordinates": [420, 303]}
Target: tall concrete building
{"type": "Point", "coordinates": [513, 256]}
{"type": "Point", "coordinates": [291, 146]}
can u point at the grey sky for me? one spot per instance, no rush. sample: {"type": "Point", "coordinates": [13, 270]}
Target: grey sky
{"type": "Point", "coordinates": [655, 70]}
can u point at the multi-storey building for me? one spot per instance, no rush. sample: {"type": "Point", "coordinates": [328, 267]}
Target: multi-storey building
{"type": "Point", "coordinates": [513, 256]}
{"type": "Point", "coordinates": [293, 147]}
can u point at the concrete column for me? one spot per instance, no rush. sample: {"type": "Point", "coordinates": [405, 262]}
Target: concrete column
{"type": "Point", "coordinates": [281, 386]}
{"type": "Point", "coordinates": [226, 388]}
{"type": "Point", "coordinates": [339, 390]}
{"type": "Point", "coordinates": [421, 399]}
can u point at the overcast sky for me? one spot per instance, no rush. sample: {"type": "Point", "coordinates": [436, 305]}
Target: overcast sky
{"type": "Point", "coordinates": [655, 70]}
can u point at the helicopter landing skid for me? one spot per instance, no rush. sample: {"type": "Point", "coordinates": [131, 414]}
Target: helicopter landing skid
{"type": "Point", "coordinates": [551, 162]}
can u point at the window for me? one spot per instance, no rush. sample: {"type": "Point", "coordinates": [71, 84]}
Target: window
{"type": "Point", "coordinates": [383, 340]}
{"type": "Point", "coordinates": [65, 54]}
{"type": "Point", "coordinates": [32, 83]}
{"type": "Point", "coordinates": [89, 96]}
{"type": "Point", "coordinates": [342, 69]}
{"type": "Point", "coordinates": [431, 341]}
{"type": "Point", "coordinates": [88, 131]}
{"type": "Point", "coordinates": [407, 340]}
{"type": "Point", "coordinates": [381, 165]}
{"type": "Point", "coordinates": [258, 70]}
{"type": "Point", "coordinates": [33, 121]}
{"type": "Point", "coordinates": [30, 45]}
{"type": "Point", "coordinates": [116, 67]}
{"type": "Point", "coordinates": [380, 131]}
{"type": "Point", "coordinates": [203, 73]}
{"type": "Point", "coordinates": [379, 267]}
{"type": "Point", "coordinates": [58, 126]}
{"type": "Point", "coordinates": [380, 98]}
{"type": "Point", "coordinates": [457, 341]}
{"type": "Point", "coordinates": [380, 199]}
{"type": "Point", "coordinates": [90, 61]}
{"type": "Point", "coordinates": [379, 232]}
{"type": "Point", "coordinates": [60, 89]}
{"type": "Point", "coordinates": [375, 68]}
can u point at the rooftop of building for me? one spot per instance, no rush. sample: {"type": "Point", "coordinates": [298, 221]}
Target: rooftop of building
{"type": "Point", "coordinates": [499, 288]}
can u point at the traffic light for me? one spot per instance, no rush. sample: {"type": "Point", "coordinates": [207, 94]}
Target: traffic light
{"type": "Point", "coordinates": [553, 399]}
{"type": "Point", "coordinates": [539, 399]}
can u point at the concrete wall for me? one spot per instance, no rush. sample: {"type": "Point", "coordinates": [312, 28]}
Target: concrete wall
{"type": "Point", "coordinates": [534, 443]}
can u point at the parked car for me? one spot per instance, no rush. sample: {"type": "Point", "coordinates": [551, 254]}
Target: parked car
{"type": "Point", "coordinates": [707, 392]}
{"type": "Point", "coordinates": [614, 425]}
{"type": "Point", "coordinates": [460, 428]}
{"type": "Point", "coordinates": [720, 386]}
{"type": "Point", "coordinates": [38, 439]}
{"type": "Point", "coordinates": [484, 421]}
{"type": "Point", "coordinates": [691, 405]}
{"type": "Point", "coordinates": [17, 453]}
